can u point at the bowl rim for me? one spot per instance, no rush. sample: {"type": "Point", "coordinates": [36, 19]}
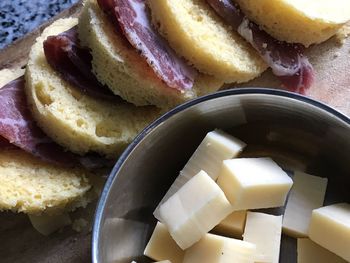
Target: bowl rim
{"type": "Point", "coordinates": [229, 92]}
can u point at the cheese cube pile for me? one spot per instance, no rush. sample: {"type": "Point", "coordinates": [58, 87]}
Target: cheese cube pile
{"type": "Point", "coordinates": [196, 204]}
{"type": "Point", "coordinates": [215, 147]}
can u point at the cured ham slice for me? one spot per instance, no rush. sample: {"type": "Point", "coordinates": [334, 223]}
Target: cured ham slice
{"type": "Point", "coordinates": [17, 128]}
{"type": "Point", "coordinates": [132, 18]}
{"type": "Point", "coordinates": [73, 63]}
{"type": "Point", "coordinates": [287, 61]}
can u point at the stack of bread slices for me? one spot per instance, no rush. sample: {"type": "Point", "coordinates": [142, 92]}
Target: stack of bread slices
{"type": "Point", "coordinates": [151, 56]}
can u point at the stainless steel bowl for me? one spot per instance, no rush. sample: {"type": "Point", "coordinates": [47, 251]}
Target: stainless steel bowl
{"type": "Point", "coordinates": [296, 131]}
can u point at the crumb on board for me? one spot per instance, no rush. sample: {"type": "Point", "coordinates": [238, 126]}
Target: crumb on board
{"type": "Point", "coordinates": [80, 224]}
{"type": "Point", "coordinates": [343, 34]}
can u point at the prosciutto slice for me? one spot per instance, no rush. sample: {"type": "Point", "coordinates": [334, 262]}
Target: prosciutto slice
{"type": "Point", "coordinates": [133, 20]}
{"type": "Point", "coordinates": [17, 128]}
{"type": "Point", "coordinates": [287, 61]}
{"type": "Point", "coordinates": [73, 63]}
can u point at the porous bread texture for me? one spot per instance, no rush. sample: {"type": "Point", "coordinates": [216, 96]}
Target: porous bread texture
{"type": "Point", "coordinates": [32, 186]}
{"type": "Point", "coordinates": [298, 21]}
{"type": "Point", "coordinates": [9, 74]}
{"type": "Point", "coordinates": [78, 122]}
{"type": "Point", "coordinates": [195, 32]}
{"type": "Point", "coordinates": [118, 65]}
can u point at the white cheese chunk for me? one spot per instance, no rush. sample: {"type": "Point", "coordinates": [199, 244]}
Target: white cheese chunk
{"type": "Point", "coordinates": [161, 246]}
{"type": "Point", "coordinates": [47, 224]}
{"type": "Point", "coordinates": [330, 228]}
{"type": "Point", "coordinates": [264, 231]}
{"type": "Point", "coordinates": [217, 249]}
{"type": "Point", "coordinates": [215, 147]}
{"type": "Point", "coordinates": [307, 194]}
{"type": "Point", "coordinates": [232, 225]}
{"type": "Point", "coordinates": [194, 210]}
{"type": "Point", "coordinates": [310, 252]}
{"type": "Point", "coordinates": [251, 183]}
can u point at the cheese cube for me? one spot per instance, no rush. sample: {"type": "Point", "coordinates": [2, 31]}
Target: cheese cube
{"type": "Point", "coordinates": [215, 147]}
{"type": "Point", "coordinates": [194, 210]}
{"type": "Point", "coordinates": [251, 183]}
{"type": "Point", "coordinates": [310, 252]}
{"type": "Point", "coordinates": [232, 225]}
{"type": "Point", "coordinates": [161, 246]}
{"type": "Point", "coordinates": [47, 224]}
{"type": "Point", "coordinates": [217, 249]}
{"type": "Point", "coordinates": [307, 194]}
{"type": "Point", "coordinates": [330, 228]}
{"type": "Point", "coordinates": [264, 231]}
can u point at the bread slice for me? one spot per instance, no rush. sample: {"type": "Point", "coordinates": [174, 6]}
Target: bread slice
{"type": "Point", "coordinates": [298, 21]}
{"type": "Point", "coordinates": [76, 121]}
{"type": "Point", "coordinates": [32, 186]}
{"type": "Point", "coordinates": [198, 34]}
{"type": "Point", "coordinates": [120, 67]}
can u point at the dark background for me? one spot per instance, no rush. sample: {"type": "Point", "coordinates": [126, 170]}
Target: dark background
{"type": "Point", "coordinates": [18, 17]}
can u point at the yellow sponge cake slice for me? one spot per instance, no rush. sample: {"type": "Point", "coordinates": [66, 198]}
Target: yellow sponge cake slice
{"type": "Point", "coordinates": [79, 122]}
{"type": "Point", "coordinates": [195, 32]}
{"type": "Point", "coordinates": [124, 71]}
{"type": "Point", "coordinates": [32, 186]}
{"type": "Point", "coordinates": [298, 21]}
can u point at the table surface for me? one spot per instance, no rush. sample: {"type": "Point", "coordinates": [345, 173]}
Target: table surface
{"type": "Point", "coordinates": [18, 17]}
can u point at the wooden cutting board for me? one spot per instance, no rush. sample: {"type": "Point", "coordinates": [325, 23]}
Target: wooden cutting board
{"type": "Point", "coordinates": [19, 242]}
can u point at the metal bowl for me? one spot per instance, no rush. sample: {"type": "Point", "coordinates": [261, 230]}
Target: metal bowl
{"type": "Point", "coordinates": [297, 132]}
